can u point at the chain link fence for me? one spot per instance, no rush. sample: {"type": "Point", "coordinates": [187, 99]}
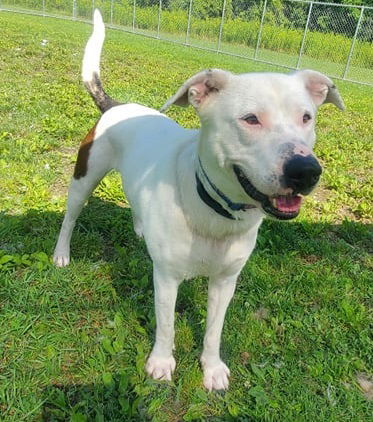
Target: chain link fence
{"type": "Point", "coordinates": [332, 38]}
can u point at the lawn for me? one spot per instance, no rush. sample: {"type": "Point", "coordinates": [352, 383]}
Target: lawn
{"type": "Point", "coordinates": [73, 341]}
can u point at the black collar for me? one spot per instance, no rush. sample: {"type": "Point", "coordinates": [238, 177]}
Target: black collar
{"type": "Point", "coordinates": [212, 203]}
{"type": "Point", "coordinates": [206, 198]}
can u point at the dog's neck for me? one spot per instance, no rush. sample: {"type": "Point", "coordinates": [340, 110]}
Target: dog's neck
{"type": "Point", "coordinates": [201, 218]}
{"type": "Point", "coordinates": [212, 196]}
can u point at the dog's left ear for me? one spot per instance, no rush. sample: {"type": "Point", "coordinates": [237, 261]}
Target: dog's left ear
{"type": "Point", "coordinates": [198, 89]}
{"type": "Point", "coordinates": [321, 88]}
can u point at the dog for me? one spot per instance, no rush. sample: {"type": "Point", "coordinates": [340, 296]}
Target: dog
{"type": "Point", "coordinates": [198, 197]}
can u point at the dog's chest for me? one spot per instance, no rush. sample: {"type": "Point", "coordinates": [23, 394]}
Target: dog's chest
{"type": "Point", "coordinates": [185, 253]}
{"type": "Point", "coordinates": [198, 256]}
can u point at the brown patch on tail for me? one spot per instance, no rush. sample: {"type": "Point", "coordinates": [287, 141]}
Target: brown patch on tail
{"type": "Point", "coordinates": [102, 100]}
{"type": "Point", "coordinates": [81, 165]}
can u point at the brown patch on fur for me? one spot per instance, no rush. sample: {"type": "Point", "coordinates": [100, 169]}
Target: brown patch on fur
{"type": "Point", "coordinates": [81, 165]}
{"type": "Point", "coordinates": [103, 101]}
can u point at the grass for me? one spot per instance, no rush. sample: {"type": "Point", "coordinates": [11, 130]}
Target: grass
{"type": "Point", "coordinates": [73, 341]}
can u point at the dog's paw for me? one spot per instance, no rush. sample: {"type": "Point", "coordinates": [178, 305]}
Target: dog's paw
{"type": "Point", "coordinates": [160, 368]}
{"type": "Point", "coordinates": [215, 376]}
{"type": "Point", "coordinates": [61, 260]}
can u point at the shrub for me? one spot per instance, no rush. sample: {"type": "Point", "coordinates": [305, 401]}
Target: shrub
{"type": "Point", "coordinates": [320, 45]}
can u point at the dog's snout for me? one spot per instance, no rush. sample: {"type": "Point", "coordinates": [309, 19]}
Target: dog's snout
{"type": "Point", "coordinates": [302, 173]}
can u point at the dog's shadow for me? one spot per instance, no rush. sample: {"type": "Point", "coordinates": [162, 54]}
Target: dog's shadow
{"type": "Point", "coordinates": [104, 233]}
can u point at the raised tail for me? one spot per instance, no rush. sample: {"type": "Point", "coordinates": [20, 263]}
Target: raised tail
{"type": "Point", "coordinates": [91, 65]}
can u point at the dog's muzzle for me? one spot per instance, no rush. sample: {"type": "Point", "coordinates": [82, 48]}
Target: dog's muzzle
{"type": "Point", "coordinates": [282, 207]}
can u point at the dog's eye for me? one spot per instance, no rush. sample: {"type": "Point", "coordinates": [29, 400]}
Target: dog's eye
{"type": "Point", "coordinates": [251, 119]}
{"type": "Point", "coordinates": [306, 117]}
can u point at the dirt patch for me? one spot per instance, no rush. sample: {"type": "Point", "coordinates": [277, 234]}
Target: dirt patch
{"type": "Point", "coordinates": [261, 314]}
{"type": "Point", "coordinates": [310, 259]}
{"type": "Point", "coordinates": [365, 383]}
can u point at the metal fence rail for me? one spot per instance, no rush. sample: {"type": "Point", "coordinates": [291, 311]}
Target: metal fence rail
{"type": "Point", "coordinates": [333, 38]}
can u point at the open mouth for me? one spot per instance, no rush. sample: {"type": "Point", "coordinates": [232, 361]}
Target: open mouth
{"type": "Point", "coordinates": [283, 207]}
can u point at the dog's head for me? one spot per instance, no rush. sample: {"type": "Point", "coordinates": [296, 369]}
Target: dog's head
{"type": "Point", "coordinates": [257, 133]}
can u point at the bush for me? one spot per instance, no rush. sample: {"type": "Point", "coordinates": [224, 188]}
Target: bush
{"type": "Point", "coordinates": [319, 45]}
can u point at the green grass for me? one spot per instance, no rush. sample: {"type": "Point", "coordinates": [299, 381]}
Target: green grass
{"type": "Point", "coordinates": [73, 341]}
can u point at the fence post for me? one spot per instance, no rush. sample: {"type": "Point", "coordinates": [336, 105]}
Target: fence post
{"type": "Point", "coordinates": [260, 30]}
{"type": "Point", "coordinates": [304, 35]}
{"type": "Point", "coordinates": [134, 16]}
{"type": "Point", "coordinates": [111, 11]}
{"type": "Point", "coordinates": [221, 25]}
{"type": "Point", "coordinates": [188, 27]}
{"type": "Point", "coordinates": [159, 17]}
{"type": "Point", "coordinates": [74, 9]}
{"type": "Point", "coordinates": [353, 43]}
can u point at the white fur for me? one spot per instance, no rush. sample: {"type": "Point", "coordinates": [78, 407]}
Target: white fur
{"type": "Point", "coordinates": [158, 160]}
{"type": "Point", "coordinates": [92, 54]}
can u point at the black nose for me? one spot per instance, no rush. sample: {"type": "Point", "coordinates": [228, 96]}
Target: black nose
{"type": "Point", "coordinates": [302, 173]}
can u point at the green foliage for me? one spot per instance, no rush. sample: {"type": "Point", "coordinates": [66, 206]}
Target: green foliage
{"type": "Point", "coordinates": [37, 260]}
{"type": "Point", "coordinates": [325, 37]}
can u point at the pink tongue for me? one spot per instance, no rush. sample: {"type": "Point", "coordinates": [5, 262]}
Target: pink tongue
{"type": "Point", "coordinates": [288, 203]}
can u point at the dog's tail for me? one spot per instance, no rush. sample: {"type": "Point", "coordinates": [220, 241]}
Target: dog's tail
{"type": "Point", "coordinates": [91, 65]}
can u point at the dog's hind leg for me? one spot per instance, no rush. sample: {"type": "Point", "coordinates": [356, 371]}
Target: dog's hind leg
{"type": "Point", "coordinates": [137, 225]}
{"type": "Point", "coordinates": [95, 159]}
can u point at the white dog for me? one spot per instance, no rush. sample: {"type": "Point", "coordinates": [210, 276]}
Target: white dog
{"type": "Point", "coordinates": [199, 197]}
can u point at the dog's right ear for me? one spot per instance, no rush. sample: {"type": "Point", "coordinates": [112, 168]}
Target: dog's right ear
{"type": "Point", "coordinates": [198, 88]}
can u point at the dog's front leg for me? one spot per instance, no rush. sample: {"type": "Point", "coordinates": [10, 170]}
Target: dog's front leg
{"type": "Point", "coordinates": [161, 362]}
{"type": "Point", "coordinates": [215, 372]}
